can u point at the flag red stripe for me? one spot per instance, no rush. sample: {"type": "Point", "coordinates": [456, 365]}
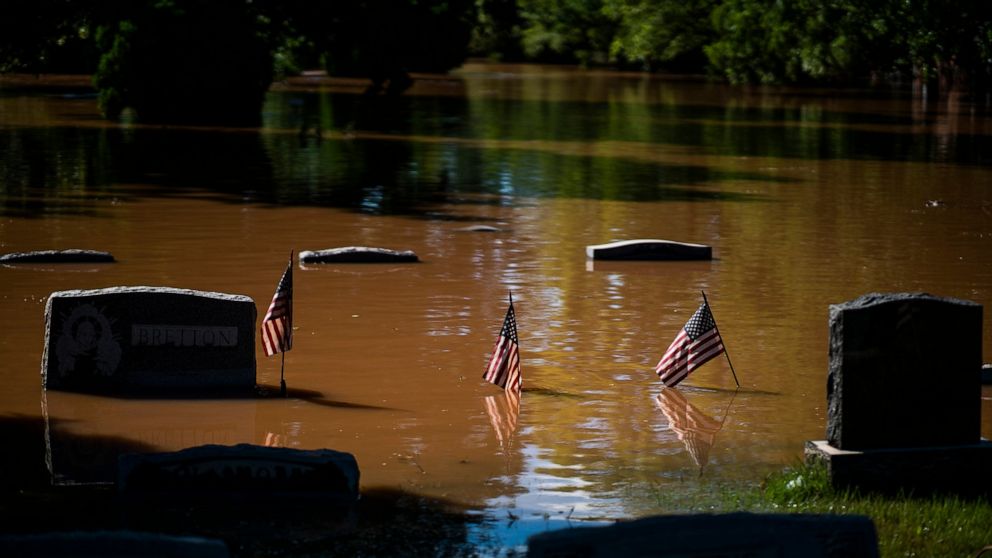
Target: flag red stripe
{"type": "Point", "coordinates": [685, 354]}
{"type": "Point", "coordinates": [503, 368]}
{"type": "Point", "coordinates": [277, 325]}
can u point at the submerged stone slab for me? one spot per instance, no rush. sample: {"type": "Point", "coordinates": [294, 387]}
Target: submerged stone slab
{"type": "Point", "coordinates": [57, 256]}
{"type": "Point", "coordinates": [149, 339]}
{"type": "Point", "coordinates": [481, 228]}
{"type": "Point", "coordinates": [110, 544]}
{"type": "Point", "coordinates": [904, 372]}
{"type": "Point", "coordinates": [242, 470]}
{"type": "Point", "coordinates": [962, 469]}
{"type": "Point", "coordinates": [734, 534]}
{"type": "Point", "coordinates": [647, 249]}
{"type": "Point", "coordinates": [357, 254]}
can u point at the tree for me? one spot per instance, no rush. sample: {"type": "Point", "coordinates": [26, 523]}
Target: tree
{"type": "Point", "coordinates": [662, 33]}
{"type": "Point", "coordinates": [187, 61]}
{"type": "Point", "coordinates": [946, 42]}
{"type": "Point", "coordinates": [567, 30]}
{"type": "Point", "coordinates": [211, 62]}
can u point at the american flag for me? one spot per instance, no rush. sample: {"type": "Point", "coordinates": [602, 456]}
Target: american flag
{"type": "Point", "coordinates": [277, 326]}
{"type": "Point", "coordinates": [698, 342]}
{"type": "Point", "coordinates": [504, 364]}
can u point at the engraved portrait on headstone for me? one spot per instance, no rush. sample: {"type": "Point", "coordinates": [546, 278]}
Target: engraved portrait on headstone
{"type": "Point", "coordinates": [87, 347]}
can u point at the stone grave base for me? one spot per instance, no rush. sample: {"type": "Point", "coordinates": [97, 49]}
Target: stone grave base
{"type": "Point", "coordinates": [961, 469]}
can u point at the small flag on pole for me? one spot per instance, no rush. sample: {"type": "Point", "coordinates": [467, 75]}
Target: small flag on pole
{"type": "Point", "coordinates": [698, 342]}
{"type": "Point", "coordinates": [277, 326]}
{"type": "Point", "coordinates": [504, 364]}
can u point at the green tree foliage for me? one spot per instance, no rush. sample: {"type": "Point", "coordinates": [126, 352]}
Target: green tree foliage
{"type": "Point", "coordinates": [47, 36]}
{"type": "Point", "coordinates": [498, 30]}
{"type": "Point", "coordinates": [662, 33]}
{"type": "Point", "coordinates": [948, 41]}
{"type": "Point", "coordinates": [212, 61]}
{"type": "Point", "coordinates": [186, 61]}
{"type": "Point", "coordinates": [846, 41]}
{"type": "Point", "coordinates": [567, 30]}
{"type": "Point", "coordinates": [385, 39]}
{"type": "Point", "coordinates": [156, 55]}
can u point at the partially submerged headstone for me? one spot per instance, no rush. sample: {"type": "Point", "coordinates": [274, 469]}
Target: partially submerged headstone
{"type": "Point", "coordinates": [244, 470]}
{"type": "Point", "coordinates": [57, 256]}
{"type": "Point", "coordinates": [149, 339]}
{"type": "Point", "coordinates": [481, 228]}
{"type": "Point", "coordinates": [647, 249]}
{"type": "Point", "coordinates": [904, 396]}
{"type": "Point", "coordinates": [357, 254]}
{"type": "Point", "coordinates": [904, 372]}
{"type": "Point", "coordinates": [111, 544]}
{"type": "Point", "coordinates": [734, 534]}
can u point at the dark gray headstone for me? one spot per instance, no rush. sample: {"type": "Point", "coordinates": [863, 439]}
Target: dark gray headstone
{"type": "Point", "coordinates": [357, 254]}
{"type": "Point", "coordinates": [735, 534]}
{"type": "Point", "coordinates": [904, 372]}
{"type": "Point", "coordinates": [644, 249]}
{"type": "Point", "coordinates": [243, 470]}
{"type": "Point", "coordinates": [109, 544]}
{"type": "Point", "coordinates": [57, 256]}
{"type": "Point", "coordinates": [148, 338]}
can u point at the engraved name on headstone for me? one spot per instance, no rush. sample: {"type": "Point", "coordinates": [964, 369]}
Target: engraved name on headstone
{"type": "Point", "coordinates": [148, 338]}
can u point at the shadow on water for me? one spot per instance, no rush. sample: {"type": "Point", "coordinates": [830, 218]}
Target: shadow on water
{"type": "Point", "coordinates": [25, 466]}
{"type": "Point", "coordinates": [384, 522]}
{"type": "Point", "coordinates": [317, 398]}
{"type": "Point", "coordinates": [262, 392]}
{"type": "Point", "coordinates": [743, 391]}
{"type": "Point", "coordinates": [552, 392]}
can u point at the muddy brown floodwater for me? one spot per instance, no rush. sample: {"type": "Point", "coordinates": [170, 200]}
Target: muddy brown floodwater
{"type": "Point", "coordinates": [808, 197]}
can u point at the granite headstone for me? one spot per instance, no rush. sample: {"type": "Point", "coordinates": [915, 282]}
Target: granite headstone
{"type": "Point", "coordinates": [244, 470]}
{"type": "Point", "coordinates": [110, 544]}
{"type": "Point", "coordinates": [904, 372]}
{"type": "Point", "coordinates": [357, 254]}
{"type": "Point", "coordinates": [716, 535]}
{"type": "Point", "coordinates": [57, 256]}
{"type": "Point", "coordinates": [149, 339]}
{"type": "Point", "coordinates": [649, 249]}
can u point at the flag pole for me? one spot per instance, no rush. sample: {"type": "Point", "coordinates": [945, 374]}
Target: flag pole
{"type": "Point", "coordinates": [725, 351]}
{"type": "Point", "coordinates": [282, 367]}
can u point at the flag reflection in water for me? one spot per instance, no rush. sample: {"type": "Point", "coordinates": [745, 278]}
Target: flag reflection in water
{"type": "Point", "coordinates": [503, 411]}
{"type": "Point", "coordinates": [696, 429]}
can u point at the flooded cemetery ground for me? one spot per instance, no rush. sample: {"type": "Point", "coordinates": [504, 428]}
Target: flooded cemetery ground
{"type": "Point", "coordinates": [497, 177]}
